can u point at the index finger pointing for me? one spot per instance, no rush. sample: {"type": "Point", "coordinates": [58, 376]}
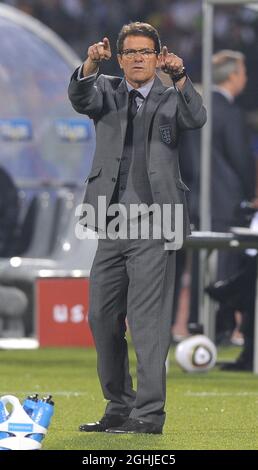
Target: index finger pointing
{"type": "Point", "coordinates": [106, 43]}
{"type": "Point", "coordinates": [164, 51]}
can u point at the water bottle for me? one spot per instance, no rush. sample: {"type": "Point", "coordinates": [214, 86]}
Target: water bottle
{"type": "Point", "coordinates": [30, 404]}
{"type": "Point", "coordinates": [3, 417]}
{"type": "Point", "coordinates": [42, 415]}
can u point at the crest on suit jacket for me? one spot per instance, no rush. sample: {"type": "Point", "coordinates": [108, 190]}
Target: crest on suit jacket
{"type": "Point", "coordinates": [166, 133]}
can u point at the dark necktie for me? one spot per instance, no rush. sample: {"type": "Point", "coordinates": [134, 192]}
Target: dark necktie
{"type": "Point", "coordinates": [132, 105]}
{"type": "Point", "coordinates": [127, 153]}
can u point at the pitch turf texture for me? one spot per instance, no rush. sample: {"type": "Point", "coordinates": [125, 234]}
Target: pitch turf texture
{"type": "Point", "coordinates": [216, 410]}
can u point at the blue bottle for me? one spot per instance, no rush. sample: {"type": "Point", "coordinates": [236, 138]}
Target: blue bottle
{"type": "Point", "coordinates": [42, 415]}
{"type": "Point", "coordinates": [3, 417]}
{"type": "Point", "coordinates": [30, 404]}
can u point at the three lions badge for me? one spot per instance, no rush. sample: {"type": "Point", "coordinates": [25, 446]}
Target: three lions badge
{"type": "Point", "coordinates": [166, 134]}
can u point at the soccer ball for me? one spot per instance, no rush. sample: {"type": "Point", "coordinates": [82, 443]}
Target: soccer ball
{"type": "Point", "coordinates": [196, 354]}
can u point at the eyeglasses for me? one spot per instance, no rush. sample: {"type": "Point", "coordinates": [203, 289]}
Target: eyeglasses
{"type": "Point", "coordinates": [131, 53]}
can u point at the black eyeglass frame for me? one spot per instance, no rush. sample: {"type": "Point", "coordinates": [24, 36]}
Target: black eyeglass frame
{"type": "Point", "coordinates": [131, 53]}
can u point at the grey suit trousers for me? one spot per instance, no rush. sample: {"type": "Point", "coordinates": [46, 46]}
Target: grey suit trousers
{"type": "Point", "coordinates": [133, 279]}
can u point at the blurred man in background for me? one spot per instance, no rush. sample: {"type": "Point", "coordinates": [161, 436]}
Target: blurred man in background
{"type": "Point", "coordinates": [233, 169]}
{"type": "Point", "coordinates": [232, 173]}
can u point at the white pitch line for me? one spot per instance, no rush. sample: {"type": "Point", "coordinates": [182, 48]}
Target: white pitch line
{"type": "Point", "coordinates": [68, 394]}
{"type": "Point", "coordinates": [220, 394]}
{"type": "Point", "coordinates": [40, 392]}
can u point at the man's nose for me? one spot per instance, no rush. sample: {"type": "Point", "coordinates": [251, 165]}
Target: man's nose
{"type": "Point", "coordinates": [138, 57]}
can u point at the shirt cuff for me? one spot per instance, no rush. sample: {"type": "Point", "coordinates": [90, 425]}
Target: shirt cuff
{"type": "Point", "coordinates": [80, 76]}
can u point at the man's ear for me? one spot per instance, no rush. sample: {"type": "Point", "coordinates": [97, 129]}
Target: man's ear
{"type": "Point", "coordinates": [119, 60]}
{"type": "Point", "coordinates": [159, 61]}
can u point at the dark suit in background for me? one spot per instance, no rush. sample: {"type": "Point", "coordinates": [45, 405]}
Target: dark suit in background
{"type": "Point", "coordinates": [232, 181]}
{"type": "Point", "coordinates": [234, 166]}
{"type": "Point", "coordinates": [232, 170]}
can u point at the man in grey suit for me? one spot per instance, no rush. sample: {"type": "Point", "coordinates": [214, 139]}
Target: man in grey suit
{"type": "Point", "coordinates": [138, 122]}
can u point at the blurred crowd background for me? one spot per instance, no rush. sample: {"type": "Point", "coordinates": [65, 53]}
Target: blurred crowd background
{"type": "Point", "coordinates": [82, 22]}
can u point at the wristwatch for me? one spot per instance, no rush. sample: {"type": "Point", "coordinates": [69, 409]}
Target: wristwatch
{"type": "Point", "coordinates": [176, 77]}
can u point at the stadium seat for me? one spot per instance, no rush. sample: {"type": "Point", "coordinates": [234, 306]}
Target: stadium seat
{"type": "Point", "coordinates": [67, 252]}
{"type": "Point", "coordinates": [13, 304]}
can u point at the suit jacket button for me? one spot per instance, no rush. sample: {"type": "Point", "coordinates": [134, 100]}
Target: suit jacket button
{"type": "Point", "coordinates": [114, 180]}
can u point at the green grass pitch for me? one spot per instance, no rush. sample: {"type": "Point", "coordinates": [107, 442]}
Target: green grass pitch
{"type": "Point", "coordinates": [214, 410]}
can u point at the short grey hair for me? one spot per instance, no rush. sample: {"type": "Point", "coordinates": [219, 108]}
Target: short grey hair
{"type": "Point", "coordinates": [224, 63]}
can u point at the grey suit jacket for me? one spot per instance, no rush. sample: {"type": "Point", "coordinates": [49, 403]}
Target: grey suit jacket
{"type": "Point", "coordinates": [168, 112]}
